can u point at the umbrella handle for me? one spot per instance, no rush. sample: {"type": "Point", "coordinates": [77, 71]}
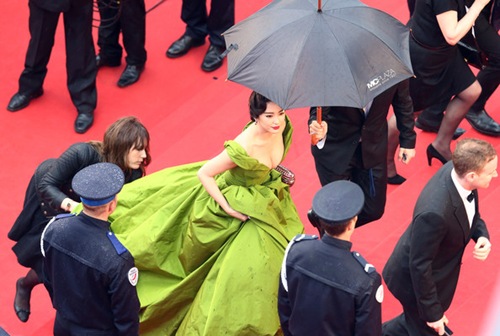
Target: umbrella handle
{"type": "Point", "coordinates": [319, 112]}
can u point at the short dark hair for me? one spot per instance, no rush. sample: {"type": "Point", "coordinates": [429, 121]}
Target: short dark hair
{"type": "Point", "coordinates": [471, 155]}
{"type": "Point", "coordinates": [334, 229]}
{"type": "Point", "coordinates": [257, 104]}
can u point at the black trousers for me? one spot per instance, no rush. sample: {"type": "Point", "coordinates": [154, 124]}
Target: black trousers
{"type": "Point", "coordinates": [199, 24]}
{"type": "Point", "coordinates": [407, 324]}
{"type": "Point", "coordinates": [131, 22]}
{"type": "Point", "coordinates": [80, 53]}
{"type": "Point", "coordinates": [372, 181]}
{"type": "Point", "coordinates": [489, 77]}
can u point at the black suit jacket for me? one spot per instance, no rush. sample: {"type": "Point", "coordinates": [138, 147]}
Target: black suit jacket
{"type": "Point", "coordinates": [423, 269]}
{"type": "Point", "coordinates": [347, 125]}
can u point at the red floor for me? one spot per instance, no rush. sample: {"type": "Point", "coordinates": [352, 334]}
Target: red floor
{"type": "Point", "coordinates": [190, 114]}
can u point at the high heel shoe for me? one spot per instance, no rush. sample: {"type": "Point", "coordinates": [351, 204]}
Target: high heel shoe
{"type": "Point", "coordinates": [433, 153]}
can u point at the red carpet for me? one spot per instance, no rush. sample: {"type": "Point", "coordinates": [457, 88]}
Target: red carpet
{"type": "Point", "coordinates": [190, 114]}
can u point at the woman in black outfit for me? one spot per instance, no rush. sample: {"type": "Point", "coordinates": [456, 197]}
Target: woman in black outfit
{"type": "Point", "coordinates": [49, 193]}
{"type": "Point", "coordinates": [440, 70]}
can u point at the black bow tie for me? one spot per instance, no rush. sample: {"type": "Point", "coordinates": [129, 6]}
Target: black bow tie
{"type": "Point", "coordinates": [470, 197]}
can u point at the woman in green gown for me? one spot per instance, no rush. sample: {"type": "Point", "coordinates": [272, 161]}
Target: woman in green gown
{"type": "Point", "coordinates": [209, 237]}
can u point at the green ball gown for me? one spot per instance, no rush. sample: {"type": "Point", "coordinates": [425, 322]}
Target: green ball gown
{"type": "Point", "coordinates": [201, 271]}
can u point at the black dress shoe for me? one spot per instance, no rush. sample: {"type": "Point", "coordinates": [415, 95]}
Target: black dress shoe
{"type": "Point", "coordinates": [212, 60]}
{"type": "Point", "coordinates": [396, 179]}
{"type": "Point", "coordinates": [23, 314]}
{"type": "Point", "coordinates": [20, 101]}
{"type": "Point", "coordinates": [130, 75]}
{"type": "Point", "coordinates": [424, 126]}
{"type": "Point", "coordinates": [101, 61]}
{"type": "Point", "coordinates": [483, 123]}
{"type": "Point", "coordinates": [83, 122]}
{"type": "Point", "coordinates": [183, 45]}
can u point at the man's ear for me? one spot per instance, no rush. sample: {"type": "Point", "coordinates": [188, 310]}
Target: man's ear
{"type": "Point", "coordinates": [112, 205]}
{"type": "Point", "coordinates": [352, 223]}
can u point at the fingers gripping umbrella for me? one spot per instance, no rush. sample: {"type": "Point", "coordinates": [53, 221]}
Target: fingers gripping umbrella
{"type": "Point", "coordinates": [302, 53]}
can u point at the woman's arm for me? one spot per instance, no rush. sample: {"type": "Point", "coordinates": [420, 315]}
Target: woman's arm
{"type": "Point", "coordinates": [207, 173]}
{"type": "Point", "coordinates": [61, 173]}
{"type": "Point", "coordinates": [453, 30]}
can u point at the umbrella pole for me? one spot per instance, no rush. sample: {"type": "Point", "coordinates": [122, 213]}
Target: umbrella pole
{"type": "Point", "coordinates": [319, 112]}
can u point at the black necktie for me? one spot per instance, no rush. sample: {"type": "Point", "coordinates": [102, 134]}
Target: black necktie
{"type": "Point", "coordinates": [470, 197]}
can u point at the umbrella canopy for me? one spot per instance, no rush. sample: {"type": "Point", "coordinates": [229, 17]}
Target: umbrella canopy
{"type": "Point", "coordinates": [344, 54]}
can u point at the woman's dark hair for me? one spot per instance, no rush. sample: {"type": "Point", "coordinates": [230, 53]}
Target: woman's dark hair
{"type": "Point", "coordinates": [257, 104]}
{"type": "Point", "coordinates": [122, 136]}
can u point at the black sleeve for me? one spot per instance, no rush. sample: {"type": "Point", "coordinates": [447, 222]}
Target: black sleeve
{"type": "Point", "coordinates": [75, 158]}
{"type": "Point", "coordinates": [284, 309]}
{"type": "Point", "coordinates": [369, 309]}
{"type": "Point", "coordinates": [312, 116]}
{"type": "Point", "coordinates": [124, 301]}
{"type": "Point", "coordinates": [402, 105]}
{"type": "Point", "coordinates": [481, 230]}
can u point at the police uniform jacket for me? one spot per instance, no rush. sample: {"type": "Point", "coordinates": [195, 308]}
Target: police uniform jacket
{"type": "Point", "coordinates": [327, 290]}
{"type": "Point", "coordinates": [90, 277]}
{"type": "Point", "coordinates": [49, 186]}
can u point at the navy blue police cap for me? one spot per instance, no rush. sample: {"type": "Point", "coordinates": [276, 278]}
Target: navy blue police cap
{"type": "Point", "coordinates": [338, 202]}
{"type": "Point", "coordinates": [98, 184]}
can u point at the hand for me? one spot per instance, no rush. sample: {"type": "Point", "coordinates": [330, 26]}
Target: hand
{"type": "Point", "coordinates": [238, 215]}
{"type": "Point", "coordinates": [68, 204]}
{"type": "Point", "coordinates": [405, 155]}
{"type": "Point", "coordinates": [438, 326]}
{"type": "Point", "coordinates": [482, 249]}
{"type": "Point", "coordinates": [318, 130]}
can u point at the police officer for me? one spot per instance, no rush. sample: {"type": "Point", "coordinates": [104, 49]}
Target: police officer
{"type": "Point", "coordinates": [89, 274]}
{"type": "Point", "coordinates": [326, 289]}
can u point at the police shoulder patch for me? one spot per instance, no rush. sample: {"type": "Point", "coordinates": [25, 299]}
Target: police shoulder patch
{"type": "Point", "coordinates": [379, 295]}
{"type": "Point", "coordinates": [133, 276]}
{"type": "Point", "coordinates": [119, 248]}
{"type": "Point", "coordinates": [301, 237]}
{"type": "Point", "coordinates": [369, 268]}
{"type": "Point", "coordinates": [64, 215]}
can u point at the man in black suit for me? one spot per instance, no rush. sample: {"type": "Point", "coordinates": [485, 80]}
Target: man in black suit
{"type": "Point", "coordinates": [355, 147]}
{"type": "Point", "coordinates": [422, 271]}
{"type": "Point", "coordinates": [80, 56]}
{"type": "Point", "coordinates": [129, 18]}
{"type": "Point", "coordinates": [199, 24]}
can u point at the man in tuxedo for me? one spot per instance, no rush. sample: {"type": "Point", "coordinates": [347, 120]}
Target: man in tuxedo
{"type": "Point", "coordinates": [355, 146]}
{"type": "Point", "coordinates": [199, 24]}
{"type": "Point", "coordinates": [422, 271]}
{"type": "Point", "coordinates": [80, 56]}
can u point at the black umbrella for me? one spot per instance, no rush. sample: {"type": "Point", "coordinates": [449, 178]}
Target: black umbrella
{"type": "Point", "coordinates": [300, 53]}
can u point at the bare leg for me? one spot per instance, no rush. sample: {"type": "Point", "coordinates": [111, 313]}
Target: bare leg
{"type": "Point", "coordinates": [455, 112]}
